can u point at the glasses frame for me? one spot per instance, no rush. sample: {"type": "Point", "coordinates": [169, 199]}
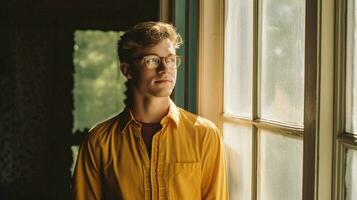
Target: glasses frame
{"type": "Point", "coordinates": [161, 60]}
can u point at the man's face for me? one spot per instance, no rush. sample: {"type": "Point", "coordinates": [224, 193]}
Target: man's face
{"type": "Point", "coordinates": [157, 82]}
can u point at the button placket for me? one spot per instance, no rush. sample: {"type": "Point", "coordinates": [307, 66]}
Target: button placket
{"type": "Point", "coordinates": [161, 161]}
{"type": "Point", "coordinates": [155, 165]}
{"type": "Point", "coordinates": [145, 160]}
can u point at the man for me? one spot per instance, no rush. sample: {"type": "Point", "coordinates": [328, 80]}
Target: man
{"type": "Point", "coordinates": [153, 149]}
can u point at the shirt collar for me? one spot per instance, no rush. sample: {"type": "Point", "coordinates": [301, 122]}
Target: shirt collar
{"type": "Point", "coordinates": [173, 113]}
{"type": "Point", "coordinates": [127, 117]}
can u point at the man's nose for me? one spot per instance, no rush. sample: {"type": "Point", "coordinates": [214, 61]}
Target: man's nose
{"type": "Point", "coordinates": [162, 66]}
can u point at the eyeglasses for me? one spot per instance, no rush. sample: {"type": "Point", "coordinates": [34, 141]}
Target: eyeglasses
{"type": "Point", "coordinates": [154, 61]}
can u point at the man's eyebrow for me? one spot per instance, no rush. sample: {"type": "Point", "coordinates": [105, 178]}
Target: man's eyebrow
{"type": "Point", "coordinates": [154, 54]}
{"type": "Point", "coordinates": [143, 55]}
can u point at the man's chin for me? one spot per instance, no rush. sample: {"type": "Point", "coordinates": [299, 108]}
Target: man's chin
{"type": "Point", "coordinates": [164, 93]}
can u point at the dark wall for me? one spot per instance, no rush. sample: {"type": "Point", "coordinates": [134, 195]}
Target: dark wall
{"type": "Point", "coordinates": [36, 103]}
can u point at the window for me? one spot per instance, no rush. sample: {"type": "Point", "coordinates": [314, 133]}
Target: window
{"type": "Point", "coordinates": [346, 115]}
{"type": "Point", "coordinates": [98, 83]}
{"type": "Point", "coordinates": [263, 55]}
{"type": "Point", "coordinates": [264, 104]}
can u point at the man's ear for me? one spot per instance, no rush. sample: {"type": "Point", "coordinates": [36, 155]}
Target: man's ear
{"type": "Point", "coordinates": [125, 69]}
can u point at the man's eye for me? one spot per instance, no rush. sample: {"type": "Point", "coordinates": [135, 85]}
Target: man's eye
{"type": "Point", "coordinates": [152, 61]}
{"type": "Point", "coordinates": [171, 59]}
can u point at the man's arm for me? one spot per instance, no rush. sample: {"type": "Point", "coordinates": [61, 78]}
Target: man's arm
{"type": "Point", "coordinates": [87, 179]}
{"type": "Point", "coordinates": [214, 178]}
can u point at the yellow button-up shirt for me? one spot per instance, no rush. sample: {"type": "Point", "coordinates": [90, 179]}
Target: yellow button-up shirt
{"type": "Point", "coordinates": [187, 160]}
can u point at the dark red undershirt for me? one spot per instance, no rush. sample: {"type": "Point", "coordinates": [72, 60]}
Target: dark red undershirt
{"type": "Point", "coordinates": [148, 131]}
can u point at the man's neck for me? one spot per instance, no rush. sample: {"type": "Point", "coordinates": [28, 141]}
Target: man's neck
{"type": "Point", "coordinates": [150, 110]}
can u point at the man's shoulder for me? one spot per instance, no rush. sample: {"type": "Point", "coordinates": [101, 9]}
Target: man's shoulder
{"type": "Point", "coordinates": [205, 129]}
{"type": "Point", "coordinates": [104, 127]}
{"type": "Point", "coordinates": [196, 121]}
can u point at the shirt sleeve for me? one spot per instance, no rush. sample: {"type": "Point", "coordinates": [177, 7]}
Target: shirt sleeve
{"type": "Point", "coordinates": [87, 178]}
{"type": "Point", "coordinates": [214, 178]}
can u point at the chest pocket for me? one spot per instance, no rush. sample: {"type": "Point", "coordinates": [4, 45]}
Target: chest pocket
{"type": "Point", "coordinates": [185, 181]}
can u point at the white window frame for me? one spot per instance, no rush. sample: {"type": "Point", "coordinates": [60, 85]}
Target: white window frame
{"type": "Point", "coordinates": [319, 97]}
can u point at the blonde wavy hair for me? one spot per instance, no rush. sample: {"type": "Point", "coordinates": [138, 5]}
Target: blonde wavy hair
{"type": "Point", "coordinates": [146, 34]}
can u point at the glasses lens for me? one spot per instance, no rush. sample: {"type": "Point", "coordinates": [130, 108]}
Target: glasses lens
{"type": "Point", "coordinates": [178, 61]}
{"type": "Point", "coordinates": [152, 61]}
{"type": "Point", "coordinates": [171, 61]}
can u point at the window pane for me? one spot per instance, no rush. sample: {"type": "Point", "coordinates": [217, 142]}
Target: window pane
{"type": "Point", "coordinates": [98, 84]}
{"type": "Point", "coordinates": [282, 60]}
{"type": "Point", "coordinates": [238, 58]}
{"type": "Point", "coordinates": [351, 84]}
{"type": "Point", "coordinates": [238, 143]}
{"type": "Point", "coordinates": [280, 167]}
{"type": "Point", "coordinates": [351, 174]}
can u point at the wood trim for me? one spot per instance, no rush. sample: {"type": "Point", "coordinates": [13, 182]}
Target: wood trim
{"type": "Point", "coordinates": [165, 10]}
{"type": "Point", "coordinates": [311, 110]}
{"type": "Point", "coordinates": [347, 66]}
{"type": "Point", "coordinates": [255, 96]}
{"type": "Point", "coordinates": [255, 163]}
{"type": "Point", "coordinates": [192, 52]}
{"type": "Point", "coordinates": [281, 128]}
{"type": "Point", "coordinates": [325, 135]}
{"type": "Point", "coordinates": [342, 146]}
{"type": "Point", "coordinates": [179, 20]}
{"type": "Point", "coordinates": [339, 171]}
{"type": "Point", "coordinates": [343, 140]}
{"type": "Point", "coordinates": [185, 18]}
{"type": "Point", "coordinates": [187, 56]}
{"type": "Point", "coordinates": [276, 128]}
{"type": "Point", "coordinates": [339, 100]}
{"type": "Point", "coordinates": [348, 139]}
{"type": "Point", "coordinates": [211, 60]}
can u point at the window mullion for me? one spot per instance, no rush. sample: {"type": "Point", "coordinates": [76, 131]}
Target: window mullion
{"type": "Point", "coordinates": [348, 139]}
{"type": "Point", "coordinates": [255, 163]}
{"type": "Point", "coordinates": [255, 96]}
{"type": "Point", "coordinates": [310, 100]}
{"type": "Point", "coordinates": [267, 125]}
{"type": "Point", "coordinates": [339, 101]}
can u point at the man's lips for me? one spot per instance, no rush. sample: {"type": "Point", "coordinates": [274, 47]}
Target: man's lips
{"type": "Point", "coordinates": [163, 81]}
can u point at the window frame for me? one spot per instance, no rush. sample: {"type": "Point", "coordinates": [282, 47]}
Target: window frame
{"type": "Point", "coordinates": [211, 53]}
{"type": "Point", "coordinates": [342, 139]}
{"type": "Point", "coordinates": [183, 14]}
{"type": "Point", "coordinates": [324, 148]}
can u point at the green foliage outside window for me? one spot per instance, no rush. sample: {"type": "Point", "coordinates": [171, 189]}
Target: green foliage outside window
{"type": "Point", "coordinates": [98, 83]}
